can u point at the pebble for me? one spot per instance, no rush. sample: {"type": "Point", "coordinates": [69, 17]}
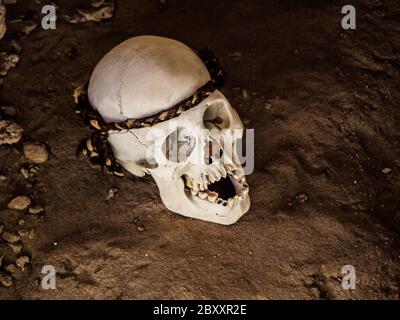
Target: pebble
{"type": "Point", "coordinates": [3, 27]}
{"type": "Point", "coordinates": [11, 268]}
{"type": "Point", "coordinates": [3, 178]}
{"type": "Point", "coordinates": [36, 210]}
{"type": "Point", "coordinates": [7, 61]}
{"type": "Point", "coordinates": [8, 111]}
{"type": "Point", "coordinates": [111, 193]}
{"type": "Point", "coordinates": [386, 170]}
{"type": "Point", "coordinates": [20, 203]}
{"type": "Point", "coordinates": [10, 237]}
{"type": "Point", "coordinates": [10, 132]}
{"type": "Point", "coordinates": [302, 198]}
{"type": "Point", "coordinates": [22, 261]}
{"type": "Point", "coordinates": [23, 233]}
{"type": "Point", "coordinates": [29, 27]}
{"type": "Point", "coordinates": [16, 248]}
{"type": "Point", "coordinates": [31, 234]}
{"type": "Point", "coordinates": [36, 153]}
{"type": "Point", "coordinates": [5, 279]}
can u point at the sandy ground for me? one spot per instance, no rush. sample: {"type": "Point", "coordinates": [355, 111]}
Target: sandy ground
{"type": "Point", "coordinates": [324, 104]}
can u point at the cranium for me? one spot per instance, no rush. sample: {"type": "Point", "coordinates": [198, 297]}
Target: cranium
{"type": "Point", "coordinates": [146, 75]}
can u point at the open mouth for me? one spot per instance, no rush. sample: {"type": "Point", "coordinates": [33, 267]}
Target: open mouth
{"type": "Point", "coordinates": [227, 191]}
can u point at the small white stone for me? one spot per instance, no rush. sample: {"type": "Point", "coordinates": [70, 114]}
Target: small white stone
{"type": "Point", "coordinates": [20, 203]}
{"type": "Point", "coordinates": [36, 153]}
{"type": "Point", "coordinates": [386, 170]}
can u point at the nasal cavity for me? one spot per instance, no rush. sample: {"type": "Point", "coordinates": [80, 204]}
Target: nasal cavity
{"type": "Point", "coordinates": [213, 151]}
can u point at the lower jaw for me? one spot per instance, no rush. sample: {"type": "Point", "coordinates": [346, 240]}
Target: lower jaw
{"type": "Point", "coordinates": [212, 212]}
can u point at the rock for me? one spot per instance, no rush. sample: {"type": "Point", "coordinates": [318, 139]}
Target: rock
{"type": "Point", "coordinates": [22, 261]}
{"type": "Point", "coordinates": [36, 210]}
{"type": "Point", "coordinates": [5, 279]}
{"type": "Point", "coordinates": [386, 170]}
{"type": "Point", "coordinates": [11, 237]}
{"type": "Point", "coordinates": [101, 10]}
{"type": "Point", "coordinates": [11, 268]}
{"type": "Point", "coordinates": [36, 153]}
{"type": "Point", "coordinates": [25, 173]}
{"type": "Point", "coordinates": [16, 248]}
{"type": "Point", "coordinates": [23, 233]}
{"type": "Point", "coordinates": [139, 225]}
{"type": "Point", "coordinates": [3, 26]}
{"type": "Point", "coordinates": [31, 234]}
{"type": "Point", "coordinates": [111, 193]}
{"type": "Point", "coordinates": [3, 178]}
{"type": "Point", "coordinates": [10, 132]}
{"type": "Point", "coordinates": [20, 203]}
{"type": "Point", "coordinates": [7, 61]}
{"type": "Point", "coordinates": [29, 27]}
{"type": "Point", "coordinates": [8, 111]}
{"type": "Point", "coordinates": [302, 198]}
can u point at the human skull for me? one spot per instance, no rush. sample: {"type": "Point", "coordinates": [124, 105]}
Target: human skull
{"type": "Point", "coordinates": [193, 157]}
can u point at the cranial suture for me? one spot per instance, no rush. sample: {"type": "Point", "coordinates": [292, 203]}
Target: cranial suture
{"type": "Point", "coordinates": [162, 116]}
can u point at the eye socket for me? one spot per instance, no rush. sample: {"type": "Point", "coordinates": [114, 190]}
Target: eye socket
{"type": "Point", "coordinates": [217, 116]}
{"type": "Point", "coordinates": [179, 145]}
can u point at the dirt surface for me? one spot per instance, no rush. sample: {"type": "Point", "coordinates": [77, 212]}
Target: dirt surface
{"type": "Point", "coordinates": [324, 103]}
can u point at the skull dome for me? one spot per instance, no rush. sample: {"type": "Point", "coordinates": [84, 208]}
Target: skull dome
{"type": "Point", "coordinates": [193, 157]}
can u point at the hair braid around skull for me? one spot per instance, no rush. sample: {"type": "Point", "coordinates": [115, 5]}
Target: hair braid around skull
{"type": "Point", "coordinates": [98, 149]}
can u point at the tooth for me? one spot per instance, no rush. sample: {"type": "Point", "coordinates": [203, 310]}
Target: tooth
{"type": "Point", "coordinates": [244, 192]}
{"type": "Point", "coordinates": [223, 172]}
{"type": "Point", "coordinates": [202, 195]}
{"type": "Point", "coordinates": [189, 183]}
{"type": "Point", "coordinates": [201, 187]}
{"type": "Point", "coordinates": [204, 179]}
{"type": "Point", "coordinates": [231, 202]}
{"type": "Point", "coordinates": [196, 186]}
{"type": "Point", "coordinates": [194, 192]}
{"type": "Point", "coordinates": [212, 196]}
